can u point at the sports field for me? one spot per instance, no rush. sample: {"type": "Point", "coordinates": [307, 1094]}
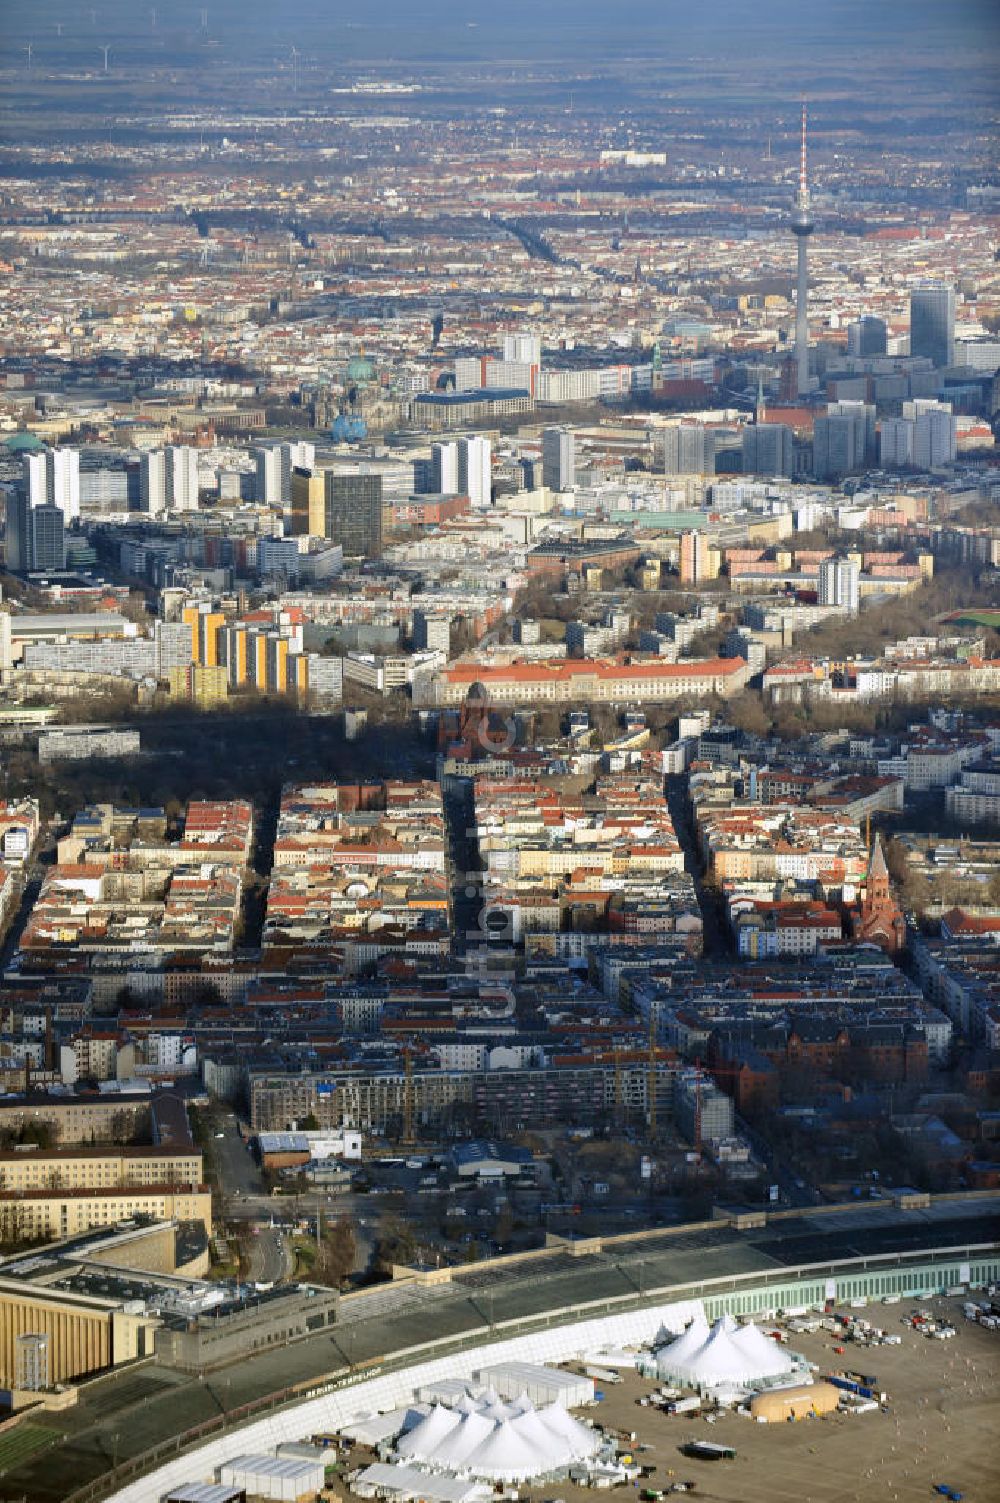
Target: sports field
{"type": "Point", "coordinates": [22, 1441]}
{"type": "Point", "coordinates": [982, 617]}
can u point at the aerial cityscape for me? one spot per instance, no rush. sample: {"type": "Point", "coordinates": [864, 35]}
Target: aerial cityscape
{"type": "Point", "coordinates": [499, 751]}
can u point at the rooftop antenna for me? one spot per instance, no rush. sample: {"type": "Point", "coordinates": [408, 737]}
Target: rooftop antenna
{"type": "Point", "coordinates": [106, 50]}
{"type": "Point", "coordinates": [28, 50]}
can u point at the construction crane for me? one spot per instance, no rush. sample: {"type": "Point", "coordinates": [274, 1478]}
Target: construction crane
{"type": "Point", "coordinates": [407, 1098]}
{"type": "Point", "coordinates": [651, 1075]}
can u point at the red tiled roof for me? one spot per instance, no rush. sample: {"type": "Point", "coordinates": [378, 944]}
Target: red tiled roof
{"type": "Point", "coordinates": [548, 670]}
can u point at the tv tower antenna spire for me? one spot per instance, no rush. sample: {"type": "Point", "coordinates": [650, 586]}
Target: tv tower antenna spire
{"type": "Point", "coordinates": [802, 227]}
{"type": "Point", "coordinates": [803, 162]}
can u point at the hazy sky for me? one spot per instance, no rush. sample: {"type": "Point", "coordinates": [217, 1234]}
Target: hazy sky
{"type": "Point", "coordinates": [522, 27]}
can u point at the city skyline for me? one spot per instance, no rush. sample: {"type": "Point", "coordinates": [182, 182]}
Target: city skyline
{"type": "Point", "coordinates": [500, 710]}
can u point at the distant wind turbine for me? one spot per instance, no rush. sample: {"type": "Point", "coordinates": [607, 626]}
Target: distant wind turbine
{"type": "Point", "coordinates": [29, 50]}
{"type": "Point", "coordinates": [106, 50]}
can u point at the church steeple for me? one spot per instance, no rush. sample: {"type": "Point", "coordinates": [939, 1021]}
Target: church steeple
{"type": "Point", "coordinates": [877, 887]}
{"type": "Point", "coordinates": [881, 919]}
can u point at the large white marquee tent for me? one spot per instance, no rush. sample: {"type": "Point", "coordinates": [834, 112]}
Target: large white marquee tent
{"type": "Point", "coordinates": [725, 1355]}
{"type": "Point", "coordinates": [486, 1438]}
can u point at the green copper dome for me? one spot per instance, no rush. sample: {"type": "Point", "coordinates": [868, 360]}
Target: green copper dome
{"type": "Point", "coordinates": [360, 371]}
{"type": "Point", "coordinates": [23, 443]}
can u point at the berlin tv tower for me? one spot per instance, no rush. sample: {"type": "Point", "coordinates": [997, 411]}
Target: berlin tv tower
{"type": "Point", "coordinates": [802, 227]}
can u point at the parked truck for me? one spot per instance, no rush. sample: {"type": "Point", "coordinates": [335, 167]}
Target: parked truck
{"type": "Point", "coordinates": [862, 1390]}
{"type": "Point", "coordinates": [690, 1405]}
{"type": "Point", "coordinates": [707, 1450]}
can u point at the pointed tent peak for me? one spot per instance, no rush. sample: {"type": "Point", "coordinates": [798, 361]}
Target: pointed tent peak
{"type": "Point", "coordinates": [674, 1331]}
{"type": "Point", "coordinates": [767, 1357]}
{"type": "Point", "coordinates": [682, 1347]}
{"type": "Point", "coordinates": [423, 1439]}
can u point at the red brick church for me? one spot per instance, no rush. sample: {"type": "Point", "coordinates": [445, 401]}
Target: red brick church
{"type": "Point", "coordinates": [878, 917]}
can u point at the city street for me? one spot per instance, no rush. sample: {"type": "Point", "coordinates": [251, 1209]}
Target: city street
{"type": "Point", "coordinates": [235, 1167]}
{"type": "Point", "coordinates": [269, 1256]}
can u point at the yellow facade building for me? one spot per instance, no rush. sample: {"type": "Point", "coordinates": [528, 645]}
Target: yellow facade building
{"type": "Point", "coordinates": [308, 513]}
{"type": "Point", "coordinates": [47, 1214]}
{"type": "Point", "coordinates": [205, 627]}
{"type": "Point", "coordinates": [200, 686]}
{"type": "Point", "coordinates": [86, 1335]}
{"type": "Point", "coordinates": [98, 1169]}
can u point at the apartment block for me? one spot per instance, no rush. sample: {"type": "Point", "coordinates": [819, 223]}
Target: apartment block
{"type": "Point", "coordinates": [613, 680]}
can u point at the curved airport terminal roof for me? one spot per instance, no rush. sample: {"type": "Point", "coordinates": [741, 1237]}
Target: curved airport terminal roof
{"type": "Point", "coordinates": [557, 1286]}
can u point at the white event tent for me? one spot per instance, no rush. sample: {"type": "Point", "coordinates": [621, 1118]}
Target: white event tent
{"type": "Point", "coordinates": [498, 1442]}
{"type": "Point", "coordinates": [727, 1356]}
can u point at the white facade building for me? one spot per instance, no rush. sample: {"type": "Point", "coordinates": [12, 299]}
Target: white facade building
{"type": "Point", "coordinates": [895, 443]}
{"type": "Point", "coordinates": [52, 478]}
{"type": "Point", "coordinates": [839, 583]}
{"type": "Point", "coordinates": [274, 466]}
{"type": "Point", "coordinates": [475, 471]}
{"type": "Point", "coordinates": [181, 478]}
{"type": "Point", "coordinates": [444, 469]}
{"type": "Point", "coordinates": [526, 349]}
{"type": "Point", "coordinates": [153, 482]}
{"type": "Point", "coordinates": [935, 441]}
